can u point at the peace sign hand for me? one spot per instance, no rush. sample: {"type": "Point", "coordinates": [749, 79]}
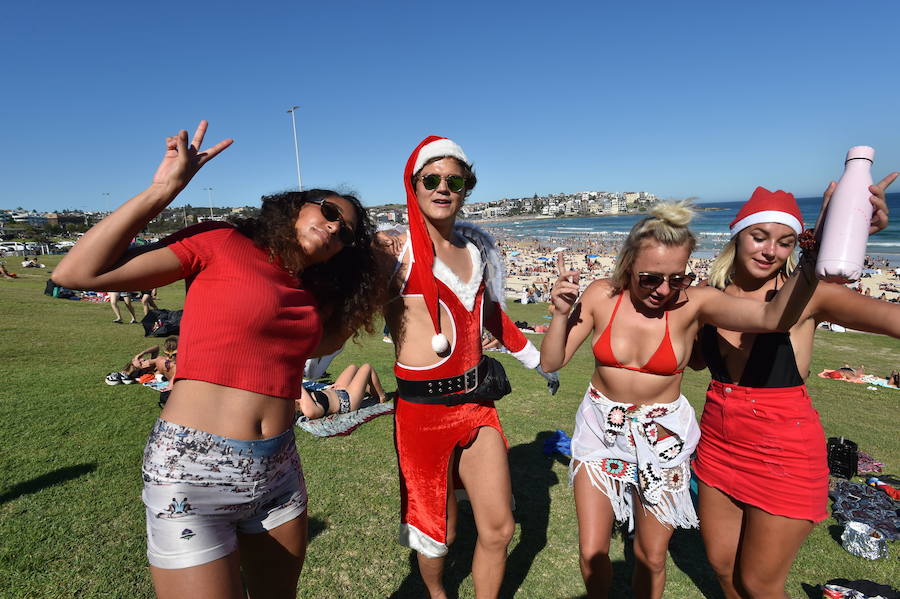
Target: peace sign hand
{"type": "Point", "coordinates": [182, 161]}
{"type": "Point", "coordinates": [565, 290]}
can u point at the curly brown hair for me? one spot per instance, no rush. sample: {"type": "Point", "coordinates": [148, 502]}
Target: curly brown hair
{"type": "Point", "coordinates": [347, 287]}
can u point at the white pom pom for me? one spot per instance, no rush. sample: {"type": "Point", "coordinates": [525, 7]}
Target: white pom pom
{"type": "Point", "coordinates": [439, 343]}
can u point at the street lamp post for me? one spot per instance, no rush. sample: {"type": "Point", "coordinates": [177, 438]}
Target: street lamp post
{"type": "Point", "coordinates": [296, 145]}
{"type": "Point", "coordinates": [105, 195]}
{"type": "Point", "coordinates": [209, 190]}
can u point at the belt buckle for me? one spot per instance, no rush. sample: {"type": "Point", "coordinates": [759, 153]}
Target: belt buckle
{"type": "Point", "coordinates": [471, 379]}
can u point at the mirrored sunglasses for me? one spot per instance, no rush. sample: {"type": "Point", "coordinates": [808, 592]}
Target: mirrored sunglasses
{"type": "Point", "coordinates": [652, 280]}
{"type": "Point", "coordinates": [332, 213]}
{"type": "Point", "coordinates": [455, 183]}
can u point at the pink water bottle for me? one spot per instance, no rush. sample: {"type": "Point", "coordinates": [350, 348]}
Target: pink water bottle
{"type": "Point", "coordinates": [846, 229]}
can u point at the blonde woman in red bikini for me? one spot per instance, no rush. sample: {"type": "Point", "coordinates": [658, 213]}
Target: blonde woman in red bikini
{"type": "Point", "coordinates": [634, 431]}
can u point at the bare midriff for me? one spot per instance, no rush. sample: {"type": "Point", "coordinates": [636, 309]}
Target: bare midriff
{"type": "Point", "coordinates": [228, 412]}
{"type": "Point", "coordinates": [638, 388]}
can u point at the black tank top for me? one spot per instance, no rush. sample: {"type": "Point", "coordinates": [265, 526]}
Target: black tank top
{"type": "Point", "coordinates": [771, 364]}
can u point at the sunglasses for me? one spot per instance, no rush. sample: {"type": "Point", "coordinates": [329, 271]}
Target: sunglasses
{"type": "Point", "coordinates": [455, 183]}
{"type": "Point", "coordinates": [332, 214]}
{"type": "Point", "coordinates": [652, 280]}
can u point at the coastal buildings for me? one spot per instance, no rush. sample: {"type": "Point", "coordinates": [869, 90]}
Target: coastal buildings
{"type": "Point", "coordinates": [581, 203]}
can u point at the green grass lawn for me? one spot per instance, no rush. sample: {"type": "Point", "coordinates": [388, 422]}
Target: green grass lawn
{"type": "Point", "coordinates": [72, 523]}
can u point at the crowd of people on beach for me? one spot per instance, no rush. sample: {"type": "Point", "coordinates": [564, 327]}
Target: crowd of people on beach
{"type": "Point", "coordinates": [221, 467]}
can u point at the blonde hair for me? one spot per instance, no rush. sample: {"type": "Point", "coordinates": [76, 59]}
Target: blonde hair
{"type": "Point", "coordinates": [668, 225]}
{"type": "Point", "coordinates": [721, 271]}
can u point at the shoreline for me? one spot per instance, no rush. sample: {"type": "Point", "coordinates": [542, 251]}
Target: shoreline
{"type": "Point", "coordinates": [532, 217]}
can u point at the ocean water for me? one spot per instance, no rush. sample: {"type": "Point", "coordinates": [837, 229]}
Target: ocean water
{"type": "Point", "coordinates": [710, 226]}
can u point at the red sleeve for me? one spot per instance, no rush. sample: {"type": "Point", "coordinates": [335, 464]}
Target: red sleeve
{"type": "Point", "coordinates": [505, 330]}
{"type": "Point", "coordinates": [196, 245]}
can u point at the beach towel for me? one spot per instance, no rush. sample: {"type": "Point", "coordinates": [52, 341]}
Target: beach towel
{"type": "Point", "coordinates": [866, 379]}
{"type": "Point", "coordinates": [336, 425]}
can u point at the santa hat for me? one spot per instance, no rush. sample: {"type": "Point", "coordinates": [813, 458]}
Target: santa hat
{"type": "Point", "coordinates": [422, 247]}
{"type": "Point", "coordinates": [766, 206]}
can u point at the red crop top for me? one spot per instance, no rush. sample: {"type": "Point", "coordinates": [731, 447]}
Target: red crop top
{"type": "Point", "coordinates": [247, 322]}
{"type": "Point", "coordinates": [663, 361]}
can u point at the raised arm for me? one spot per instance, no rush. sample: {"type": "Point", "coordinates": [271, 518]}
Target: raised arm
{"type": "Point", "coordinates": [841, 305]}
{"type": "Point", "coordinates": [571, 323]}
{"type": "Point", "coordinates": [739, 314]}
{"type": "Point", "coordinates": [101, 259]}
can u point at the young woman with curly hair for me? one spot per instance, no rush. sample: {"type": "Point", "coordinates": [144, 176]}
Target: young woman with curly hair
{"type": "Point", "coordinates": [223, 488]}
{"type": "Point", "coordinates": [634, 431]}
{"type": "Point", "coordinates": [762, 460]}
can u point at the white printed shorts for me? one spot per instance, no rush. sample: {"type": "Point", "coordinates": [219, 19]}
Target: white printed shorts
{"type": "Point", "coordinates": [201, 489]}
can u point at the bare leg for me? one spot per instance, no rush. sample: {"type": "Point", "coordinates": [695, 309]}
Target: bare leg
{"type": "Point", "coordinates": [219, 579]}
{"type": "Point", "coordinates": [114, 304]}
{"type": "Point", "coordinates": [355, 381]}
{"type": "Point", "coordinates": [344, 378]}
{"type": "Point", "coordinates": [147, 303]}
{"type": "Point", "coordinates": [651, 545]}
{"type": "Point", "coordinates": [432, 568]}
{"type": "Point", "coordinates": [375, 385]}
{"type": "Point", "coordinates": [484, 470]}
{"type": "Point", "coordinates": [769, 547]}
{"type": "Point", "coordinates": [127, 300]}
{"type": "Point", "coordinates": [721, 524]}
{"type": "Point", "coordinates": [595, 521]}
{"type": "Point", "coordinates": [272, 560]}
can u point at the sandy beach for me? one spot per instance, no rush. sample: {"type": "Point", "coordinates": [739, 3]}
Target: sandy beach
{"type": "Point", "coordinates": [532, 263]}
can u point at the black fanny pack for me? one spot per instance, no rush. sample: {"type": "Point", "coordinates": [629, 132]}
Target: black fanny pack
{"type": "Point", "coordinates": [485, 382]}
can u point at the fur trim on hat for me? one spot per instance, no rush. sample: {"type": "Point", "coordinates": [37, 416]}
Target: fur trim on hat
{"type": "Point", "coordinates": [440, 148]}
{"type": "Point", "coordinates": [766, 206]}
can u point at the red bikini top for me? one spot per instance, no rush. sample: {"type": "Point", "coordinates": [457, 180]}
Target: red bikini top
{"type": "Point", "coordinates": [662, 362]}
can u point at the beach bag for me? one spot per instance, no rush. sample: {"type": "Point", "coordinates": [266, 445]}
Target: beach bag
{"type": "Point", "coordinates": [161, 323]}
{"type": "Point", "coordinates": [842, 457]}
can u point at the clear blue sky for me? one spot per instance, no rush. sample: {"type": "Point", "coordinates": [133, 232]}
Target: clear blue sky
{"type": "Point", "coordinates": [705, 99]}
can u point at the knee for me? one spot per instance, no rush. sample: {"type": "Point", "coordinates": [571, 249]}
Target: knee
{"type": "Point", "coordinates": [497, 536]}
{"type": "Point", "coordinates": [593, 556]}
{"type": "Point", "coordinates": [757, 587]}
{"type": "Point", "coordinates": [653, 559]}
{"type": "Point", "coordinates": [722, 565]}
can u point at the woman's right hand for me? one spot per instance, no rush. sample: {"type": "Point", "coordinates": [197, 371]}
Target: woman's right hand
{"type": "Point", "coordinates": [565, 290]}
{"type": "Point", "coordinates": [182, 161]}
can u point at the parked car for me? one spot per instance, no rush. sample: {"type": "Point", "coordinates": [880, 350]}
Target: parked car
{"type": "Point", "coordinates": [12, 246]}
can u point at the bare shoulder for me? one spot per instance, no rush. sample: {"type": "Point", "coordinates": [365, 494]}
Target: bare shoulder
{"type": "Point", "coordinates": [703, 292]}
{"type": "Point", "coordinates": [598, 292]}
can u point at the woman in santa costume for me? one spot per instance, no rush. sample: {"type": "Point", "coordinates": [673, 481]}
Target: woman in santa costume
{"type": "Point", "coordinates": [447, 286]}
{"type": "Point", "coordinates": [762, 457]}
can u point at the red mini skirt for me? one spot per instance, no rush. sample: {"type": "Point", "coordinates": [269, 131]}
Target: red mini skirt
{"type": "Point", "coordinates": [766, 448]}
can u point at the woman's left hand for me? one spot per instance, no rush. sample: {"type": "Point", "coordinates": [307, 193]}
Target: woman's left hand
{"type": "Point", "coordinates": [182, 161]}
{"type": "Point", "coordinates": [879, 204]}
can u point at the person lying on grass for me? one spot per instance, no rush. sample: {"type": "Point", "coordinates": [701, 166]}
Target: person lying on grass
{"type": "Point", "coordinates": [345, 395]}
{"type": "Point", "coordinates": [148, 361]}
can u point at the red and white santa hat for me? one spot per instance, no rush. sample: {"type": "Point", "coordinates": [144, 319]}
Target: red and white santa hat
{"type": "Point", "coordinates": [766, 206]}
{"type": "Point", "coordinates": [423, 250]}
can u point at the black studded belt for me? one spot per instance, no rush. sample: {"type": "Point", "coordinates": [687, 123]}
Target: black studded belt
{"type": "Point", "coordinates": [453, 390]}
